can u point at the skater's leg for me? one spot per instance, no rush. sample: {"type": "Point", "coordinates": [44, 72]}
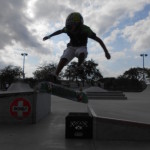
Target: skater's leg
{"type": "Point", "coordinates": [61, 64]}
{"type": "Point", "coordinates": [81, 59]}
{"type": "Point", "coordinates": [67, 56]}
{"type": "Point", "coordinates": [81, 54]}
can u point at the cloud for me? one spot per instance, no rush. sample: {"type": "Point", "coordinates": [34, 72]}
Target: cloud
{"type": "Point", "coordinates": [139, 34]}
{"type": "Point", "coordinates": [53, 11]}
{"type": "Point", "coordinates": [2, 64]}
{"type": "Point", "coordinates": [112, 37]}
{"type": "Point", "coordinates": [13, 26]}
{"type": "Point", "coordinates": [107, 14]}
{"type": "Point", "coordinates": [24, 24]}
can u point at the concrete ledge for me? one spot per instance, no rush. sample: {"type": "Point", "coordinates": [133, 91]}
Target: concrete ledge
{"type": "Point", "coordinates": [43, 106]}
{"type": "Point", "coordinates": [115, 129]}
{"type": "Point", "coordinates": [20, 105]}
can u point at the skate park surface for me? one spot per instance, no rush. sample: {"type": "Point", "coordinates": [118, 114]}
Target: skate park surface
{"type": "Point", "coordinates": [49, 133]}
{"type": "Point", "coordinates": [135, 109]}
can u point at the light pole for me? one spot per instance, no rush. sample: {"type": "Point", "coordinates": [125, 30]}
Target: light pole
{"type": "Point", "coordinates": [143, 55]}
{"type": "Point", "coordinates": [24, 54]}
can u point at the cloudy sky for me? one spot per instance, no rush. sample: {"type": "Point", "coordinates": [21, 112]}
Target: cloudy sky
{"type": "Point", "coordinates": [123, 25]}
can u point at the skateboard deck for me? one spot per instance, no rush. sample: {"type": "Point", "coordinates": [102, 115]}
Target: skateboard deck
{"type": "Point", "coordinates": [64, 92]}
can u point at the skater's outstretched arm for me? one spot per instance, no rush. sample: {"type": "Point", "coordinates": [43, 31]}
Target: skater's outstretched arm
{"type": "Point", "coordinates": [53, 34]}
{"type": "Point", "coordinates": [103, 46]}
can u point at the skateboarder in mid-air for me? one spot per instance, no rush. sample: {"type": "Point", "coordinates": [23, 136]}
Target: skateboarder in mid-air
{"type": "Point", "coordinates": [77, 47]}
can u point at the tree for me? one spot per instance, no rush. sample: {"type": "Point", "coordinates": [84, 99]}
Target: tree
{"type": "Point", "coordinates": [136, 73]}
{"type": "Point", "coordinates": [132, 79]}
{"type": "Point", "coordinates": [91, 71]}
{"type": "Point", "coordinates": [71, 72]}
{"type": "Point", "coordinates": [147, 72]}
{"type": "Point", "coordinates": [9, 73]}
{"type": "Point", "coordinates": [132, 73]}
{"type": "Point", "coordinates": [87, 71]}
{"type": "Point", "coordinates": [43, 72]}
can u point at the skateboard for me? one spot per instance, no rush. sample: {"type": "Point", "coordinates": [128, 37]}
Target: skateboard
{"type": "Point", "coordinates": [64, 92]}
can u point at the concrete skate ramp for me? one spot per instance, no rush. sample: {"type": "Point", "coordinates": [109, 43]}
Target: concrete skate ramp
{"type": "Point", "coordinates": [19, 86]}
{"type": "Point", "coordinates": [122, 120]}
{"type": "Point", "coordinates": [107, 128]}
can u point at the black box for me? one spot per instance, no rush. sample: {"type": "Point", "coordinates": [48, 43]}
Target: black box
{"type": "Point", "coordinates": [79, 125]}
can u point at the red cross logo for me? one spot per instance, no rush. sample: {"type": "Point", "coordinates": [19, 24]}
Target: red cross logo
{"type": "Point", "coordinates": [20, 108]}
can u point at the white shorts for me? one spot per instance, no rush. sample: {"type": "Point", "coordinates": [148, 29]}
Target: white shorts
{"type": "Point", "coordinates": [72, 52]}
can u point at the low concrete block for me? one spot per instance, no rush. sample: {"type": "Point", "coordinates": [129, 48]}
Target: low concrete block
{"type": "Point", "coordinates": [21, 104]}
